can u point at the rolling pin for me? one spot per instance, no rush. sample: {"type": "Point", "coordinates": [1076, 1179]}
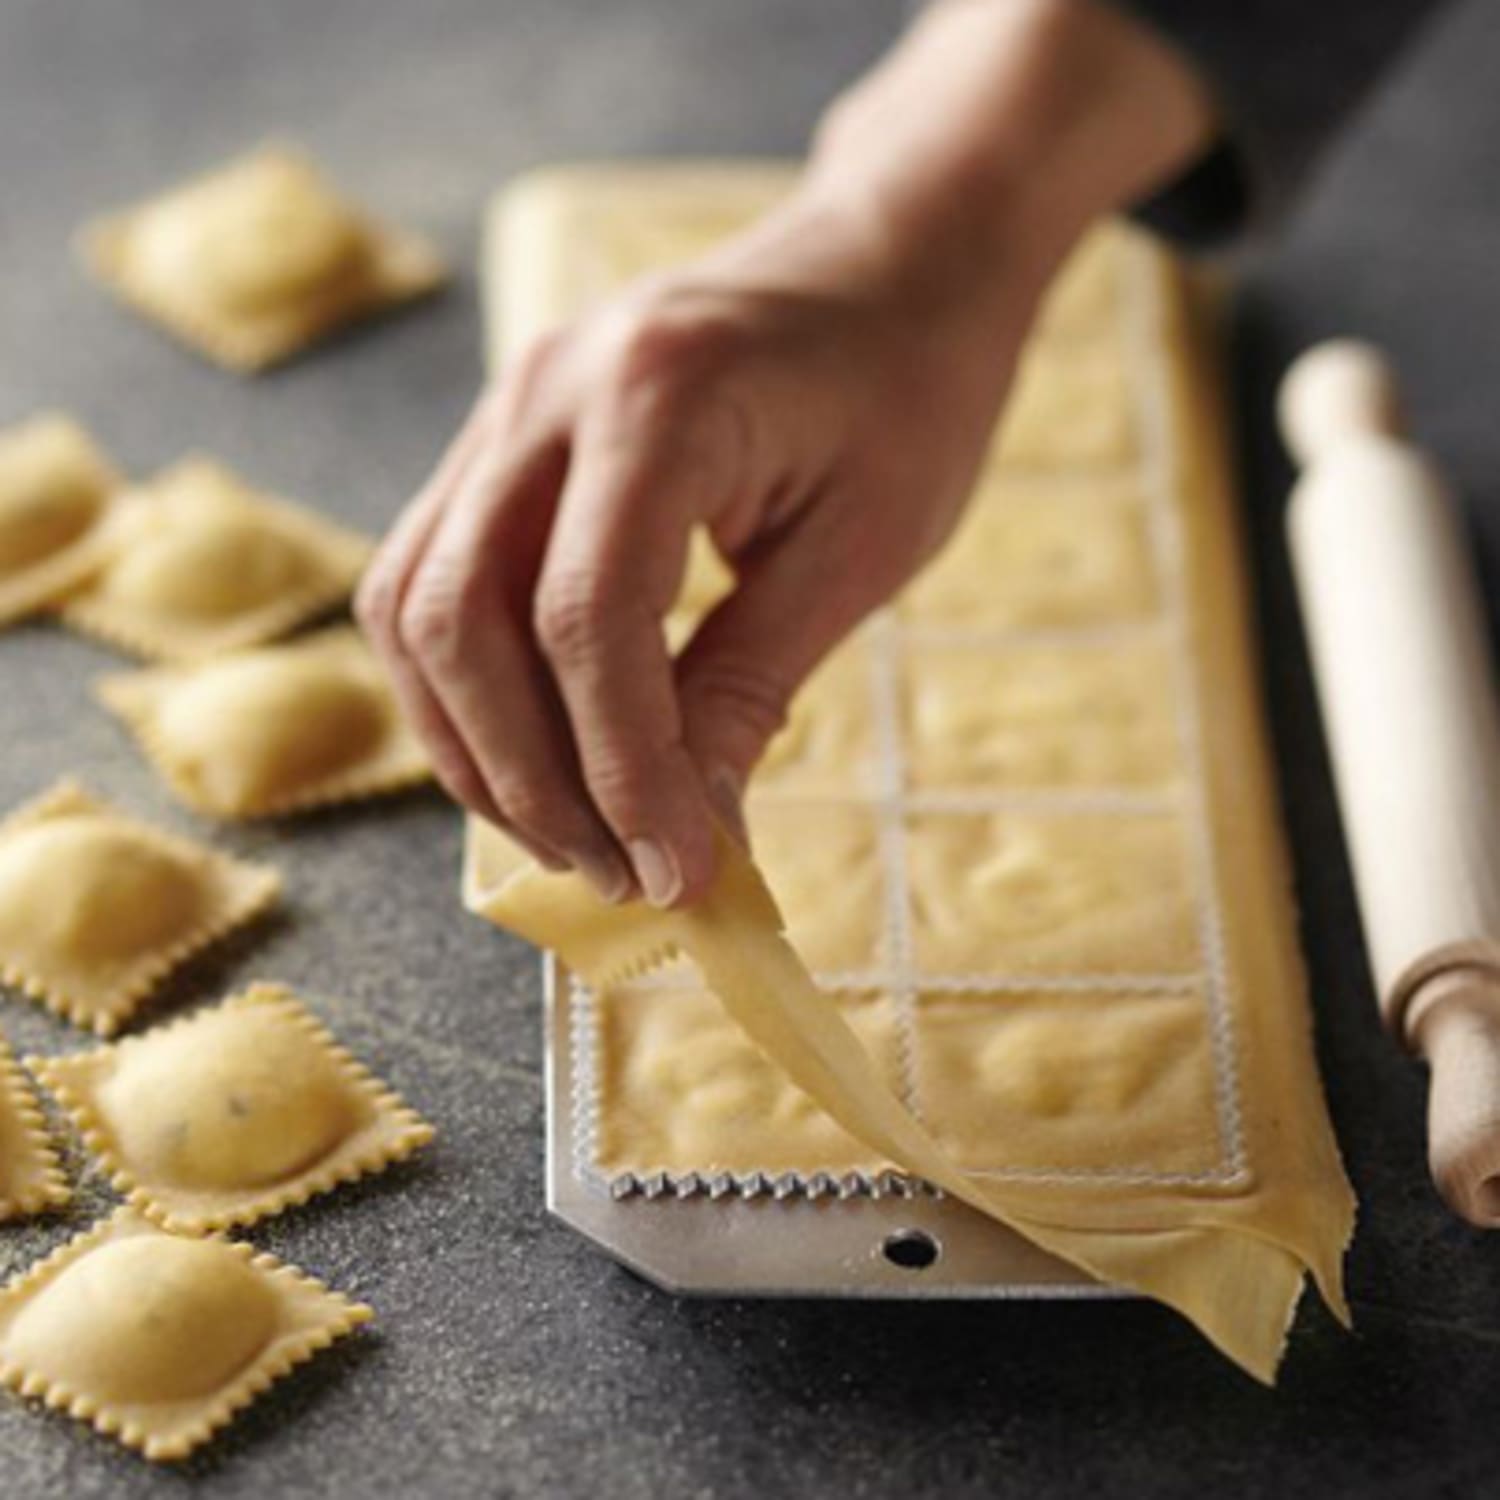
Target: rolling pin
{"type": "Point", "coordinates": [1406, 679]}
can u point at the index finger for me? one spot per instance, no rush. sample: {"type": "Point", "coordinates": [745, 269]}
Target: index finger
{"type": "Point", "coordinates": [637, 484]}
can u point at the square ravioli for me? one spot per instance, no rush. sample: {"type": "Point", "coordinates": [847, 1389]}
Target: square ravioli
{"type": "Point", "coordinates": [683, 1089]}
{"type": "Point", "coordinates": [96, 908]}
{"type": "Point", "coordinates": [30, 1177]}
{"type": "Point", "coordinates": [271, 731]}
{"type": "Point", "coordinates": [253, 262]}
{"type": "Point", "coordinates": [159, 1339]}
{"type": "Point", "coordinates": [56, 512]}
{"type": "Point", "coordinates": [822, 861]}
{"type": "Point", "coordinates": [1014, 894]}
{"type": "Point", "coordinates": [1105, 1083]}
{"type": "Point", "coordinates": [828, 746]}
{"type": "Point", "coordinates": [233, 1113]}
{"type": "Point", "coordinates": [1071, 406]}
{"type": "Point", "coordinates": [1041, 556]}
{"type": "Point", "coordinates": [204, 563]}
{"type": "Point", "coordinates": [1035, 717]}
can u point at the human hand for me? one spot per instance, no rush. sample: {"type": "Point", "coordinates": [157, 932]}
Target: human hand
{"type": "Point", "coordinates": [816, 394]}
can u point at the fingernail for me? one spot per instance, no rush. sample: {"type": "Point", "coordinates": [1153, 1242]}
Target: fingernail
{"type": "Point", "coordinates": [728, 796]}
{"type": "Point", "coordinates": [608, 876]}
{"type": "Point", "coordinates": [657, 871]}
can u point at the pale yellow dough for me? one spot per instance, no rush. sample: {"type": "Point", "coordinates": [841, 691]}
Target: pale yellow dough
{"type": "Point", "coordinates": [1084, 300]}
{"type": "Point", "coordinates": [96, 909]}
{"type": "Point", "coordinates": [1078, 717]}
{"type": "Point", "coordinates": [1035, 557]}
{"type": "Point", "coordinates": [1053, 838]}
{"type": "Point", "coordinates": [1108, 1083]}
{"type": "Point", "coordinates": [57, 507]}
{"type": "Point", "coordinates": [232, 1114]}
{"type": "Point", "coordinates": [706, 579]}
{"type": "Point", "coordinates": [825, 859]}
{"type": "Point", "coordinates": [251, 263]}
{"type": "Point", "coordinates": [30, 1177]}
{"type": "Point", "coordinates": [689, 1092]}
{"type": "Point", "coordinates": [204, 563]}
{"type": "Point", "coordinates": [1069, 408]}
{"type": "Point", "coordinates": [157, 1339]}
{"type": "Point", "coordinates": [829, 745]}
{"type": "Point", "coordinates": [618, 222]}
{"type": "Point", "coordinates": [1013, 893]}
{"type": "Point", "coordinates": [270, 731]}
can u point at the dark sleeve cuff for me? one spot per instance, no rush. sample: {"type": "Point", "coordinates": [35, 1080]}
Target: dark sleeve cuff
{"type": "Point", "coordinates": [1287, 75]}
{"type": "Point", "coordinates": [1209, 205]}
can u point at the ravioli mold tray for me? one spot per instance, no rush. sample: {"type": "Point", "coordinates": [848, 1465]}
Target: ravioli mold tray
{"type": "Point", "coordinates": [892, 1239]}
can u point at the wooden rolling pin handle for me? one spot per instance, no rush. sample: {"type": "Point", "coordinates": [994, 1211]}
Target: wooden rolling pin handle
{"type": "Point", "coordinates": [1406, 682]}
{"type": "Point", "coordinates": [1454, 1021]}
{"type": "Point", "coordinates": [1337, 391]}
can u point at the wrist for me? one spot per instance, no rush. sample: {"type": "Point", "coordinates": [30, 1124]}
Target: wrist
{"type": "Point", "coordinates": [992, 136]}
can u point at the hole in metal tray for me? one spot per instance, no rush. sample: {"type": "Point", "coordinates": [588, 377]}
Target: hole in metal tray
{"type": "Point", "coordinates": [911, 1249]}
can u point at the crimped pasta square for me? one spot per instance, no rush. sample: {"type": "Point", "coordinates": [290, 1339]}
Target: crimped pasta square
{"type": "Point", "coordinates": [159, 1339]}
{"type": "Point", "coordinates": [274, 730]}
{"type": "Point", "coordinates": [56, 511]}
{"type": "Point", "coordinates": [30, 1177]}
{"type": "Point", "coordinates": [233, 1113]}
{"type": "Point", "coordinates": [251, 263]}
{"type": "Point", "coordinates": [205, 563]}
{"type": "Point", "coordinates": [96, 908]}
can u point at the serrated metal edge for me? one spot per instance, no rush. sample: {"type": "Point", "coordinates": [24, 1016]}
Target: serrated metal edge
{"type": "Point", "coordinates": [781, 1187]}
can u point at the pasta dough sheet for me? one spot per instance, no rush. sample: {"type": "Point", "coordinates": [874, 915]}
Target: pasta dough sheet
{"type": "Point", "coordinates": [1021, 828]}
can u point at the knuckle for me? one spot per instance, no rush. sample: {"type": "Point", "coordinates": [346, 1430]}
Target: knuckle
{"type": "Point", "coordinates": [624, 783]}
{"type": "Point", "coordinates": [665, 348]}
{"type": "Point", "coordinates": [524, 376]}
{"type": "Point", "coordinates": [535, 355]}
{"type": "Point", "coordinates": [571, 615]}
{"type": "Point", "coordinates": [534, 807]}
{"type": "Point", "coordinates": [430, 629]}
{"type": "Point", "coordinates": [752, 699]}
{"type": "Point", "coordinates": [374, 602]}
{"type": "Point", "coordinates": [457, 777]}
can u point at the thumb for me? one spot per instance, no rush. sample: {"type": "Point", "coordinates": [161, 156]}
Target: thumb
{"type": "Point", "coordinates": [739, 672]}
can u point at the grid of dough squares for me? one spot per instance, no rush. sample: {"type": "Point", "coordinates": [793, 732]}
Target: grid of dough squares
{"type": "Point", "coordinates": [985, 820]}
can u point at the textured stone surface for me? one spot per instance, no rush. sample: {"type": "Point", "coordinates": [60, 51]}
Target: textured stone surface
{"type": "Point", "coordinates": [509, 1359]}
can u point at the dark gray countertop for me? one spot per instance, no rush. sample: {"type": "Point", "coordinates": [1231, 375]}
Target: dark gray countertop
{"type": "Point", "coordinates": [509, 1359]}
